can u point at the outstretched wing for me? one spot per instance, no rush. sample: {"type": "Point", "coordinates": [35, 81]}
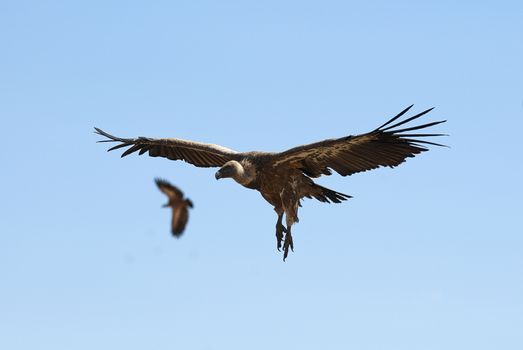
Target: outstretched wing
{"type": "Point", "coordinates": [169, 190]}
{"type": "Point", "coordinates": [197, 153]}
{"type": "Point", "coordinates": [179, 219]}
{"type": "Point", "coordinates": [384, 146]}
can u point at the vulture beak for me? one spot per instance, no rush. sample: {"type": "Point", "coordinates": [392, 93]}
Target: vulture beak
{"type": "Point", "coordinates": [165, 205]}
{"type": "Point", "coordinates": [218, 175]}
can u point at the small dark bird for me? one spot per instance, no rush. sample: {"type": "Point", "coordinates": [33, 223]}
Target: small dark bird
{"type": "Point", "coordinates": [178, 204]}
{"type": "Point", "coordinates": [284, 178]}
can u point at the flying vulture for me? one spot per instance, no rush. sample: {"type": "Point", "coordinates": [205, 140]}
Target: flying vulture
{"type": "Point", "coordinates": [179, 206]}
{"type": "Point", "coordinates": [284, 178]}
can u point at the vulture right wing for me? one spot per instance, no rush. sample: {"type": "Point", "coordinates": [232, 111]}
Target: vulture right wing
{"type": "Point", "coordinates": [180, 216]}
{"type": "Point", "coordinates": [387, 145]}
{"type": "Point", "coordinates": [197, 153]}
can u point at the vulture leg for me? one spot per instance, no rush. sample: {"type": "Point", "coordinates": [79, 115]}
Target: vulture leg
{"type": "Point", "coordinates": [290, 201]}
{"type": "Point", "coordinates": [280, 229]}
{"type": "Point", "coordinates": [288, 243]}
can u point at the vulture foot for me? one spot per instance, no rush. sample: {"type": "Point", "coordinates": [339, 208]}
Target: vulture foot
{"type": "Point", "coordinates": [288, 243]}
{"type": "Point", "coordinates": [280, 229]}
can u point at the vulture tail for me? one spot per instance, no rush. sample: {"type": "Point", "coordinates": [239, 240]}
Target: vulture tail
{"type": "Point", "coordinates": [326, 195]}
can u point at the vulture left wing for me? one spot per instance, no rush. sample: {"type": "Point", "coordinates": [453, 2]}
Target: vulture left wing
{"type": "Point", "coordinates": [197, 153]}
{"type": "Point", "coordinates": [169, 190]}
{"type": "Point", "coordinates": [384, 146]}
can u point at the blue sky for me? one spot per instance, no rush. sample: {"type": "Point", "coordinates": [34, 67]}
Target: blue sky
{"type": "Point", "coordinates": [425, 256]}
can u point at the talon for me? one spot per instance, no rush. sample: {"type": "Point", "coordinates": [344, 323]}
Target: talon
{"type": "Point", "coordinates": [285, 253]}
{"type": "Point", "coordinates": [288, 243]}
{"type": "Point", "coordinates": [279, 238]}
{"type": "Point", "coordinates": [279, 235]}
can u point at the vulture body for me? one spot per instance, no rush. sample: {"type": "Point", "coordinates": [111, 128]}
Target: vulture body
{"type": "Point", "coordinates": [179, 205]}
{"type": "Point", "coordinates": [284, 178]}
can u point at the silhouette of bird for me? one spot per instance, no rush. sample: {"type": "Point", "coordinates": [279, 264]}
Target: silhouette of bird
{"type": "Point", "coordinates": [179, 206]}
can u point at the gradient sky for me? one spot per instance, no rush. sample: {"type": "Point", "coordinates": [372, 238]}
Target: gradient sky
{"type": "Point", "coordinates": [425, 256]}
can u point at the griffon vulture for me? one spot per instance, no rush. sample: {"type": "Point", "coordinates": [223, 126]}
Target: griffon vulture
{"type": "Point", "coordinates": [179, 205]}
{"type": "Point", "coordinates": [284, 178]}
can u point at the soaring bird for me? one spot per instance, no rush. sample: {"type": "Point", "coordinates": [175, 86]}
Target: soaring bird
{"type": "Point", "coordinates": [284, 178]}
{"type": "Point", "coordinates": [179, 206]}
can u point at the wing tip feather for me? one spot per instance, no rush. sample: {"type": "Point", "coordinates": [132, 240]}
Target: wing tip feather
{"type": "Point", "coordinates": [395, 117]}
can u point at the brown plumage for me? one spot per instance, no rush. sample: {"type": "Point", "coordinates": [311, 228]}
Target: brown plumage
{"type": "Point", "coordinates": [284, 178]}
{"type": "Point", "coordinates": [179, 205]}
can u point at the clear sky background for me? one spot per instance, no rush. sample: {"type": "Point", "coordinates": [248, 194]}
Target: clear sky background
{"type": "Point", "coordinates": [425, 256]}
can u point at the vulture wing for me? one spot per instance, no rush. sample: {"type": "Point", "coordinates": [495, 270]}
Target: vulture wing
{"type": "Point", "coordinates": [173, 192]}
{"type": "Point", "coordinates": [385, 146]}
{"type": "Point", "coordinates": [197, 153]}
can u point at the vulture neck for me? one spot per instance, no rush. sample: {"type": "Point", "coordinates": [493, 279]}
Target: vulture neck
{"type": "Point", "coordinates": [244, 173]}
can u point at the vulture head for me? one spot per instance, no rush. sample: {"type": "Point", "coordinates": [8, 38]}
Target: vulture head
{"type": "Point", "coordinates": [242, 172]}
{"type": "Point", "coordinates": [230, 169]}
